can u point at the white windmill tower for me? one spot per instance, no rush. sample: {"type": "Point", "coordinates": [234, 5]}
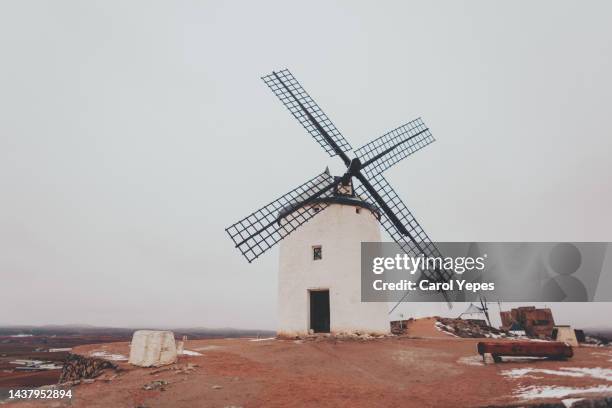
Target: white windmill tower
{"type": "Point", "coordinates": [319, 269]}
{"type": "Point", "coordinates": [323, 222]}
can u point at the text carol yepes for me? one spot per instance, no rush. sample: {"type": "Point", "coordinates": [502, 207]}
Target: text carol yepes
{"type": "Point", "coordinates": [425, 285]}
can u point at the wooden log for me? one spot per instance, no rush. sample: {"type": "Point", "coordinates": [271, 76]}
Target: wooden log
{"type": "Point", "coordinates": [550, 349]}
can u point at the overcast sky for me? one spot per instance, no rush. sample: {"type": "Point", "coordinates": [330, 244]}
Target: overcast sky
{"type": "Point", "coordinates": [132, 133]}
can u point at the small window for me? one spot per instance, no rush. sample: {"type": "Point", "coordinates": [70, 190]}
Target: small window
{"type": "Point", "coordinates": [358, 210]}
{"type": "Point", "coordinates": [317, 253]}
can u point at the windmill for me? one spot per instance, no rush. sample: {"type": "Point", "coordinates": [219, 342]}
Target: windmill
{"type": "Point", "coordinates": [485, 309]}
{"type": "Point", "coordinates": [473, 309]}
{"type": "Point", "coordinates": [259, 231]}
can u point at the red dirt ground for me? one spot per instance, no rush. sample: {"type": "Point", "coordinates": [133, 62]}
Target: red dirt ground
{"type": "Point", "coordinates": [425, 369]}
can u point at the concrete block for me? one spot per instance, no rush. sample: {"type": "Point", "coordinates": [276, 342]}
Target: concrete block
{"type": "Point", "coordinates": [565, 334]}
{"type": "Point", "coordinates": [152, 348]}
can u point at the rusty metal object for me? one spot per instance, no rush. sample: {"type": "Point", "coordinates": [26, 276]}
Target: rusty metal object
{"type": "Point", "coordinates": [535, 322]}
{"type": "Point", "coordinates": [550, 349]}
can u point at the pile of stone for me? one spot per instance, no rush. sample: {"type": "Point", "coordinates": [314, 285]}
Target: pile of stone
{"type": "Point", "coordinates": [358, 336]}
{"type": "Point", "coordinates": [78, 367]}
{"type": "Point", "coordinates": [469, 328]}
{"type": "Point", "coordinates": [599, 341]}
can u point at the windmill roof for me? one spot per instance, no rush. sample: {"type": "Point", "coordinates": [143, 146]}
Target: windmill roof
{"type": "Point", "coordinates": [334, 199]}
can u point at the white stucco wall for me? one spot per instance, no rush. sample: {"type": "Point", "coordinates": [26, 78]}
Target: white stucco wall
{"type": "Point", "coordinates": [339, 230]}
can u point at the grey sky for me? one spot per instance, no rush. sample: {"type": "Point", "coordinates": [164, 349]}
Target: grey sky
{"type": "Point", "coordinates": [132, 133]}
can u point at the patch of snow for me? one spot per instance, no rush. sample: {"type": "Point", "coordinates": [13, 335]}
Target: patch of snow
{"type": "Point", "coordinates": [596, 372]}
{"type": "Point", "coordinates": [35, 365]}
{"type": "Point", "coordinates": [206, 348]}
{"type": "Point", "coordinates": [266, 339]}
{"type": "Point", "coordinates": [576, 372]}
{"type": "Point", "coordinates": [523, 359]}
{"type": "Point", "coordinates": [526, 372]}
{"type": "Point", "coordinates": [471, 361]}
{"type": "Point", "coordinates": [445, 329]}
{"type": "Point", "coordinates": [531, 339]}
{"type": "Point", "coordinates": [26, 362]}
{"type": "Point", "coordinates": [21, 335]}
{"type": "Point", "coordinates": [537, 392]}
{"type": "Point", "coordinates": [568, 402]}
{"type": "Point", "coordinates": [108, 356]}
{"type": "Point", "coordinates": [50, 366]}
{"type": "Point", "coordinates": [53, 350]}
{"type": "Point", "coordinates": [191, 353]}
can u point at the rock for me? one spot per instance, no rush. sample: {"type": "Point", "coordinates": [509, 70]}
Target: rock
{"type": "Point", "coordinates": [161, 370]}
{"type": "Point", "coordinates": [187, 369]}
{"type": "Point", "coordinates": [154, 385]}
{"type": "Point", "coordinates": [216, 387]}
{"type": "Point", "coordinates": [152, 348]}
{"type": "Point", "coordinates": [110, 378]}
{"type": "Point", "coordinates": [67, 384]}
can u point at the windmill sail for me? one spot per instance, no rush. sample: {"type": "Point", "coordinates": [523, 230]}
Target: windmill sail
{"type": "Point", "coordinates": [394, 146]}
{"type": "Point", "coordinates": [258, 232]}
{"type": "Point", "coordinates": [416, 242]}
{"type": "Point", "coordinates": [306, 111]}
